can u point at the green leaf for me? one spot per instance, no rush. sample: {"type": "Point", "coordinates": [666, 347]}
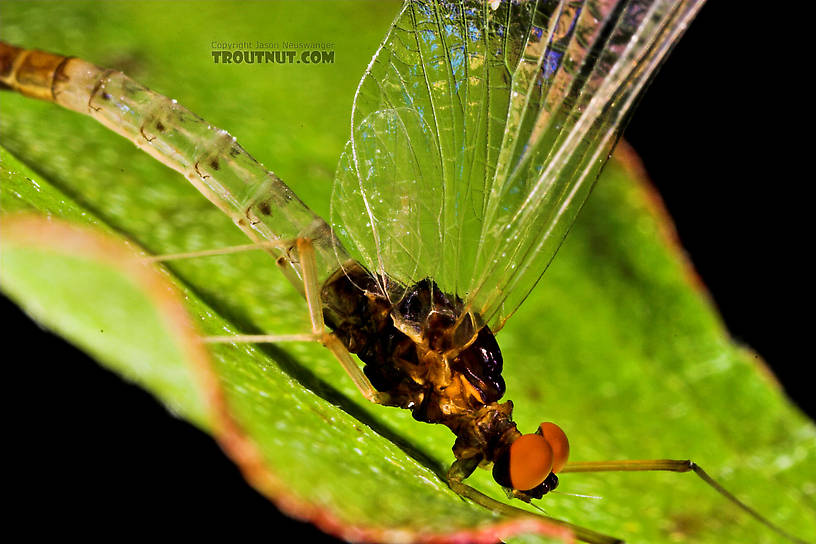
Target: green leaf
{"type": "Point", "coordinates": [141, 328]}
{"type": "Point", "coordinates": [618, 344]}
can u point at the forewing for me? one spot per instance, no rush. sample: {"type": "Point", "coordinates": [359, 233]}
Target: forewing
{"type": "Point", "coordinates": [381, 202]}
{"type": "Point", "coordinates": [582, 85]}
{"type": "Point", "coordinates": [478, 130]}
{"type": "Point", "coordinates": [431, 77]}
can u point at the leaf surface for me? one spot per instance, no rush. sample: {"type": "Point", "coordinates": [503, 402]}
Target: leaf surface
{"type": "Point", "coordinates": [618, 344]}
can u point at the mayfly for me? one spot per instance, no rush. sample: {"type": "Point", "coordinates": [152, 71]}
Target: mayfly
{"type": "Point", "coordinates": [477, 132]}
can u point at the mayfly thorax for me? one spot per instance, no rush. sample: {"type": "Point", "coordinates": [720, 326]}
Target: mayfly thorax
{"type": "Point", "coordinates": [430, 356]}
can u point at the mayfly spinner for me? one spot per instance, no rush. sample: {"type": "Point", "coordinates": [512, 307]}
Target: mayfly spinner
{"type": "Point", "coordinates": [477, 132]}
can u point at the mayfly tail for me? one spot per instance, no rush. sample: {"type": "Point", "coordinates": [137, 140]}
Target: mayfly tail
{"type": "Point", "coordinates": [255, 198]}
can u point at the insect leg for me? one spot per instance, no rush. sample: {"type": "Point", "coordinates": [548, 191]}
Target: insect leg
{"type": "Point", "coordinates": [275, 247]}
{"type": "Point", "coordinates": [353, 370]}
{"type": "Point", "coordinates": [463, 468]}
{"type": "Point", "coordinates": [672, 465]}
{"type": "Point", "coordinates": [309, 287]}
{"type": "Point", "coordinates": [277, 244]}
{"type": "Point", "coordinates": [306, 254]}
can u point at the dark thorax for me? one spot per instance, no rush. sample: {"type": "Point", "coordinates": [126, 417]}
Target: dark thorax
{"type": "Point", "coordinates": [429, 358]}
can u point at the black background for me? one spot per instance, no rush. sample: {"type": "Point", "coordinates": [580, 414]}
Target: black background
{"type": "Point", "coordinates": [712, 131]}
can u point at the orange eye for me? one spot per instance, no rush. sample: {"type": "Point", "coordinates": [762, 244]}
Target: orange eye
{"type": "Point", "coordinates": [530, 461]}
{"type": "Point", "coordinates": [557, 440]}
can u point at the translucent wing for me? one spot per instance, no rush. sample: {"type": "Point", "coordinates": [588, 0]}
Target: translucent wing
{"type": "Point", "coordinates": [478, 130]}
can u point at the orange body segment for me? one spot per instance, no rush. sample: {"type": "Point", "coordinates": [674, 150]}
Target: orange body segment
{"type": "Point", "coordinates": [29, 72]}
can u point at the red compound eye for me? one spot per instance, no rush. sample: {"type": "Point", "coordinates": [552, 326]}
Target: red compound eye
{"type": "Point", "coordinates": [531, 459]}
{"type": "Point", "coordinates": [553, 434]}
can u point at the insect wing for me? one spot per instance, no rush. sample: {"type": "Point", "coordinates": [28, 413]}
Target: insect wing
{"type": "Point", "coordinates": [410, 225]}
{"type": "Point", "coordinates": [478, 130]}
{"type": "Point", "coordinates": [393, 230]}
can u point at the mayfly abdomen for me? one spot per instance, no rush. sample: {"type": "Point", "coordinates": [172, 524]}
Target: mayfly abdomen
{"type": "Point", "coordinates": [255, 198]}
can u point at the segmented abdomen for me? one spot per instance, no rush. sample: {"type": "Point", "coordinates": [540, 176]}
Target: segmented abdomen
{"type": "Point", "coordinates": [255, 198]}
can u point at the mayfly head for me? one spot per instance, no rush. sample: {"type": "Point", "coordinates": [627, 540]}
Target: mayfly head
{"type": "Point", "coordinates": [528, 466]}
